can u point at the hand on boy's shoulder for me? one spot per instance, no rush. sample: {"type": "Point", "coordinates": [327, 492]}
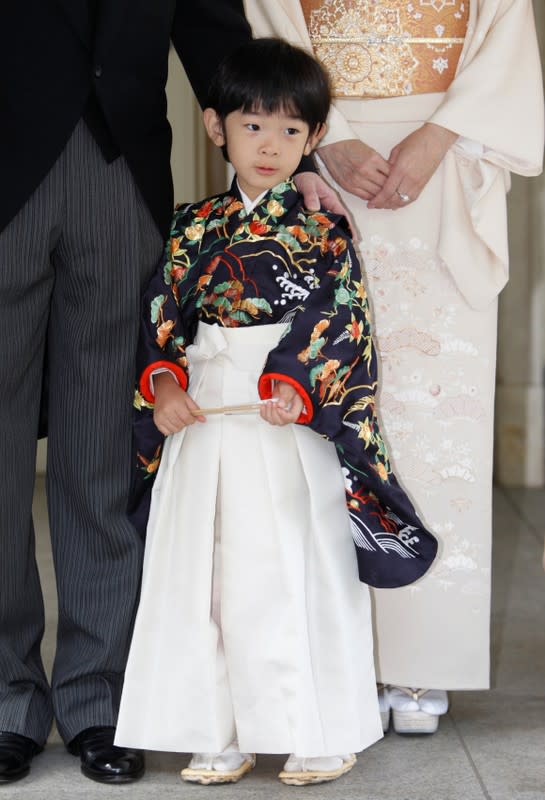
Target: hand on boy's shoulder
{"type": "Point", "coordinates": [319, 195]}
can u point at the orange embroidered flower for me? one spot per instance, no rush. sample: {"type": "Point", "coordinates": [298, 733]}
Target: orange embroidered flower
{"type": "Point", "coordinates": [337, 245]}
{"type": "Point", "coordinates": [150, 465]}
{"type": "Point", "coordinates": [318, 329]}
{"type": "Point", "coordinates": [212, 265]}
{"type": "Point", "coordinates": [177, 273]}
{"type": "Point", "coordinates": [164, 332]}
{"type": "Point", "coordinates": [235, 290]}
{"type": "Point", "coordinates": [204, 210]}
{"type": "Point", "coordinates": [236, 205]}
{"type": "Point", "coordinates": [380, 469]}
{"type": "Point", "coordinates": [299, 232]}
{"type": "Point", "coordinates": [324, 244]}
{"type": "Point", "coordinates": [321, 219]}
{"type": "Point", "coordinates": [329, 369]}
{"type": "Point", "coordinates": [355, 329]}
{"type": "Point", "coordinates": [258, 228]}
{"type": "Point", "coordinates": [153, 466]}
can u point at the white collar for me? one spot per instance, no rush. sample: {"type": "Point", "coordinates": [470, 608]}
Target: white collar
{"type": "Point", "coordinates": [249, 205]}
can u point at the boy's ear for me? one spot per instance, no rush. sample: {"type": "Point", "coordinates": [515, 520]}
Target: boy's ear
{"type": "Point", "coordinates": [314, 138]}
{"type": "Point", "coordinates": [214, 126]}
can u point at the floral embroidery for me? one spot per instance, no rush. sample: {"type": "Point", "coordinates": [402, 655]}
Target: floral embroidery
{"type": "Point", "coordinates": [282, 263]}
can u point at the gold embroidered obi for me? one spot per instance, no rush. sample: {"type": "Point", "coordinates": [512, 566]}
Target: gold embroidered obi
{"type": "Point", "coordinates": [387, 48]}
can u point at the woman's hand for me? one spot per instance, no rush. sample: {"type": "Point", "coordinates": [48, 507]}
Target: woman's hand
{"type": "Point", "coordinates": [412, 163]}
{"type": "Point", "coordinates": [356, 167]}
{"type": "Point", "coordinates": [173, 406]}
{"type": "Point", "coordinates": [288, 407]}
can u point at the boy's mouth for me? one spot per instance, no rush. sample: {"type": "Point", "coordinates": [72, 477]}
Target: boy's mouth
{"type": "Point", "coordinates": [266, 170]}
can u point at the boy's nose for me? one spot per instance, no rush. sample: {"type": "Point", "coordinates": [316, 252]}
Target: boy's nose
{"type": "Point", "coordinates": [270, 147]}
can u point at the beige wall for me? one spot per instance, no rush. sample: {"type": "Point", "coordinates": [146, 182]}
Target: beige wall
{"type": "Point", "coordinates": [188, 151]}
{"type": "Point", "coordinates": [197, 165]}
{"type": "Point", "coordinates": [520, 399]}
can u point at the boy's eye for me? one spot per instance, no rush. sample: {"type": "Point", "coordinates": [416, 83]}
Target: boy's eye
{"type": "Point", "coordinates": [252, 126]}
{"type": "Point", "coordinates": [292, 131]}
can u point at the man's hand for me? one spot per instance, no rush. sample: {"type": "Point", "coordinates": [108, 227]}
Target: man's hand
{"type": "Point", "coordinates": [287, 409]}
{"type": "Point", "coordinates": [317, 193]}
{"type": "Point", "coordinates": [412, 163]}
{"type": "Point", "coordinates": [173, 406]}
{"type": "Point", "coordinates": [356, 167]}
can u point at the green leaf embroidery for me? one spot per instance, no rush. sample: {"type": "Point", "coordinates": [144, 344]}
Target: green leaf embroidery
{"type": "Point", "coordinates": [223, 303]}
{"type": "Point", "coordinates": [156, 305]}
{"type": "Point", "coordinates": [261, 303]}
{"type": "Point", "coordinates": [342, 296]}
{"type": "Point", "coordinates": [290, 240]}
{"type": "Point", "coordinates": [241, 316]}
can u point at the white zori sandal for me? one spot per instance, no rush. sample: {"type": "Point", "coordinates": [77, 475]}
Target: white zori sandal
{"type": "Point", "coordinates": [211, 768]}
{"type": "Point", "coordinates": [303, 771]}
{"type": "Point", "coordinates": [417, 710]}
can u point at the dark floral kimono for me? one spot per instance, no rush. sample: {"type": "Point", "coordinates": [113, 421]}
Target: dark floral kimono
{"type": "Point", "coordinates": [281, 263]}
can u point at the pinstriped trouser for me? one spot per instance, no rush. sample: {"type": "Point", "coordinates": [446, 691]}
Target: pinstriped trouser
{"type": "Point", "coordinates": [72, 265]}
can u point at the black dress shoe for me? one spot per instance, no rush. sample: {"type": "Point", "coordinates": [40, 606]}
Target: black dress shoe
{"type": "Point", "coordinates": [16, 753]}
{"type": "Point", "coordinates": [102, 761]}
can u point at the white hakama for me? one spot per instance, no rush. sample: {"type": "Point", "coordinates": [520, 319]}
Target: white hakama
{"type": "Point", "coordinates": [252, 621]}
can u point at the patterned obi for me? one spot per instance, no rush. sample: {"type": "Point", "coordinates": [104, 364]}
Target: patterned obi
{"type": "Point", "coordinates": [387, 48]}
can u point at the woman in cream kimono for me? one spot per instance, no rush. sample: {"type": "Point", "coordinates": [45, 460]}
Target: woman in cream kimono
{"type": "Point", "coordinates": [436, 101]}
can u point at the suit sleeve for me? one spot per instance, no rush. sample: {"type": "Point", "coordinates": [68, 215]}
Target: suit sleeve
{"type": "Point", "coordinates": [204, 33]}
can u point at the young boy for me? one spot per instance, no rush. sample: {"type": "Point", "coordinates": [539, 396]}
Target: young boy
{"type": "Point", "coordinates": [254, 632]}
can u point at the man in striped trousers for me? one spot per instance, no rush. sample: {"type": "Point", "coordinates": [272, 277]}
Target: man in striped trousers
{"type": "Point", "coordinates": [85, 205]}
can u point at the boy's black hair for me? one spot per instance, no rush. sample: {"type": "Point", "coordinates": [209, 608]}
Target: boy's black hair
{"type": "Point", "coordinates": [271, 75]}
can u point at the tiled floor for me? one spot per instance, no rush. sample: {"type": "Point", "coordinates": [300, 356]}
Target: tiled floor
{"type": "Point", "coordinates": [490, 746]}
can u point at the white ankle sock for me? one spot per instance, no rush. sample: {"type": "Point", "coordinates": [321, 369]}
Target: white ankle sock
{"type": "Point", "coordinates": [315, 764]}
{"type": "Point", "coordinates": [228, 760]}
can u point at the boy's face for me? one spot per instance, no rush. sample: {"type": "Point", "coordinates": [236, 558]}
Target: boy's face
{"type": "Point", "coordinates": [264, 148]}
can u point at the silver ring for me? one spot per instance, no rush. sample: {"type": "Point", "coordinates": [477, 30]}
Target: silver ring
{"type": "Point", "coordinates": [402, 196]}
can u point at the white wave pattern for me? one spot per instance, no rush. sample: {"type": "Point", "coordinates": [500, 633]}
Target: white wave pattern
{"type": "Point", "coordinates": [366, 539]}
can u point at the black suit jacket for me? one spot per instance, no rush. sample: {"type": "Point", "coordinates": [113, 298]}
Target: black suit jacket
{"type": "Point", "coordinates": [53, 53]}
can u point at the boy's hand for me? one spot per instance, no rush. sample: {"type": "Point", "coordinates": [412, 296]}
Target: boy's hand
{"type": "Point", "coordinates": [287, 409]}
{"type": "Point", "coordinates": [173, 406]}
